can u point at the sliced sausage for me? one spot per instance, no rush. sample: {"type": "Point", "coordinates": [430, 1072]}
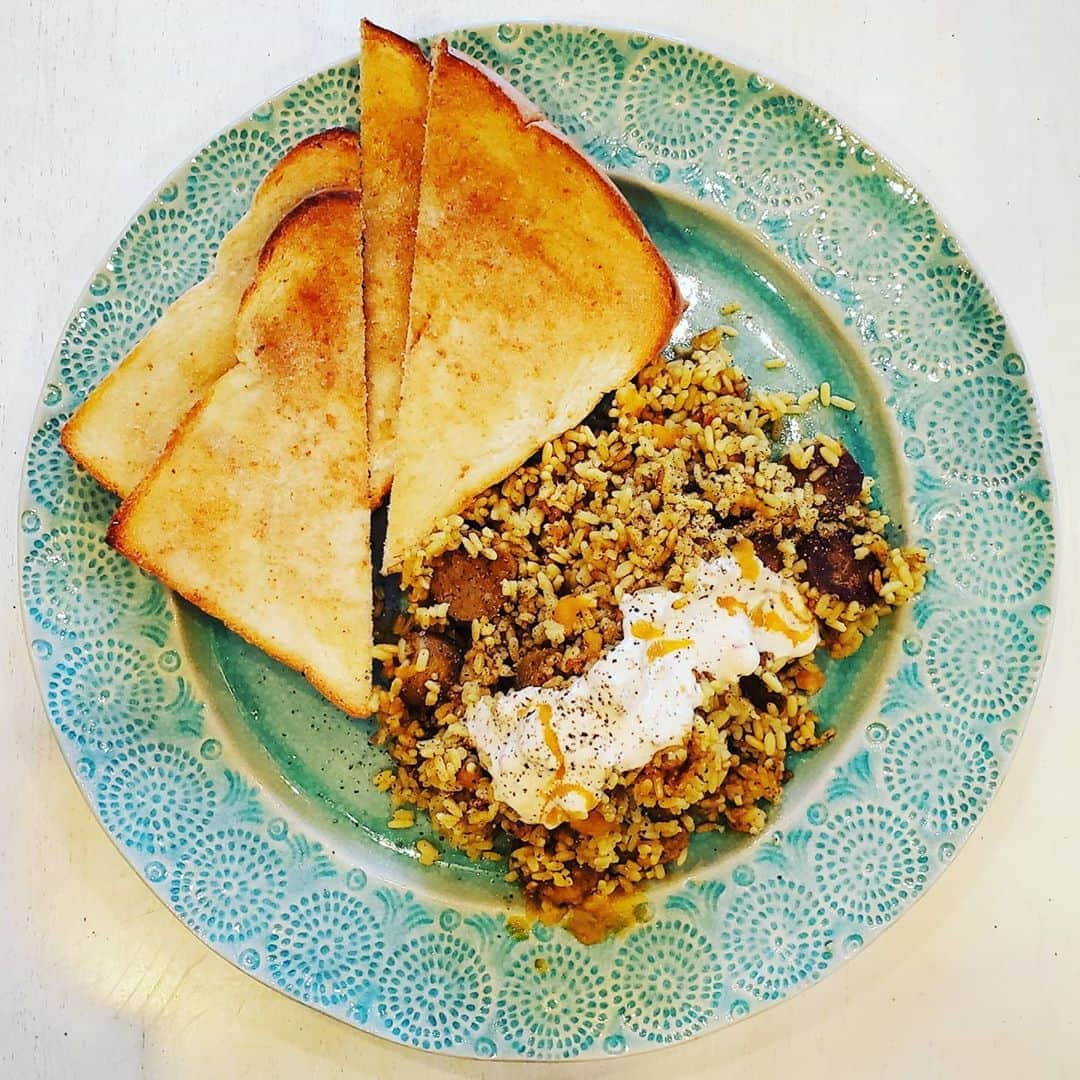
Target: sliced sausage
{"type": "Point", "coordinates": [831, 566]}
{"type": "Point", "coordinates": [443, 666]}
{"type": "Point", "coordinates": [471, 587]}
{"type": "Point", "coordinates": [767, 549]}
{"type": "Point", "coordinates": [840, 484]}
{"type": "Point", "coordinates": [674, 846]}
{"type": "Point", "coordinates": [583, 880]}
{"type": "Point", "coordinates": [536, 667]}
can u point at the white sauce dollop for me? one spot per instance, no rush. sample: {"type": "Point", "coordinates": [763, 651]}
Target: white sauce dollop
{"type": "Point", "coordinates": [550, 751]}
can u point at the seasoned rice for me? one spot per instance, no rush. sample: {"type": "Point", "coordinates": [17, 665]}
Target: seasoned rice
{"type": "Point", "coordinates": [675, 468]}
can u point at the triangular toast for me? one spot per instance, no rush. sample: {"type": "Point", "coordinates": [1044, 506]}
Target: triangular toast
{"type": "Point", "coordinates": [258, 511]}
{"type": "Point", "coordinates": [393, 105]}
{"type": "Point", "coordinates": [123, 426]}
{"type": "Point", "coordinates": [535, 290]}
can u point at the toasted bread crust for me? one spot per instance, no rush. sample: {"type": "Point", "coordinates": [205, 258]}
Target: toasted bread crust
{"type": "Point", "coordinates": [257, 511]}
{"type": "Point", "coordinates": [295, 220]}
{"type": "Point", "coordinates": [502, 96]}
{"type": "Point", "coordinates": [536, 289]}
{"type": "Point", "coordinates": [393, 100]}
{"type": "Point", "coordinates": [117, 537]}
{"type": "Point", "coordinates": [72, 439]}
{"type": "Point", "coordinates": [338, 141]}
{"type": "Point", "coordinates": [375, 34]}
{"type": "Point", "coordinates": [121, 428]}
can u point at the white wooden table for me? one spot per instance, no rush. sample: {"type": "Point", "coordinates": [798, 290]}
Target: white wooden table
{"type": "Point", "coordinates": [976, 101]}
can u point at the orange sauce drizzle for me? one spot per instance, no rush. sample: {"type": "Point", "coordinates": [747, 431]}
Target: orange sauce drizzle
{"type": "Point", "coordinates": [749, 566]}
{"type": "Point", "coordinates": [665, 437]}
{"type": "Point", "coordinates": [551, 740]}
{"type": "Point", "coordinates": [554, 815]}
{"type": "Point", "coordinates": [661, 648]}
{"type": "Point", "coordinates": [810, 679]}
{"type": "Point", "coordinates": [630, 399]}
{"type": "Point", "coordinates": [769, 620]}
{"type": "Point", "coordinates": [568, 608]}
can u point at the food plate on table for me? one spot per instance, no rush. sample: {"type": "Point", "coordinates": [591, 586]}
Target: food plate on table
{"type": "Point", "coordinates": [605, 597]}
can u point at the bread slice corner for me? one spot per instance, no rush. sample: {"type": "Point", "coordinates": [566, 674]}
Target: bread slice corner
{"type": "Point", "coordinates": [257, 511]}
{"type": "Point", "coordinates": [123, 426]}
{"type": "Point", "coordinates": [393, 105]}
{"type": "Point", "coordinates": [535, 290]}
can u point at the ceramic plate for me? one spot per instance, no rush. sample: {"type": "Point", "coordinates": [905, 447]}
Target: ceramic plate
{"type": "Point", "coordinates": [246, 802]}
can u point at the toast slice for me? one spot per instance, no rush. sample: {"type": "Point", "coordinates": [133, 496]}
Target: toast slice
{"type": "Point", "coordinates": [393, 106]}
{"type": "Point", "coordinates": [119, 431]}
{"type": "Point", "coordinates": [535, 290]}
{"type": "Point", "coordinates": [257, 511]}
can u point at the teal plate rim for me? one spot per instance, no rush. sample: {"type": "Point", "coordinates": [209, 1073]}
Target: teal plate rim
{"type": "Point", "coordinates": [249, 876]}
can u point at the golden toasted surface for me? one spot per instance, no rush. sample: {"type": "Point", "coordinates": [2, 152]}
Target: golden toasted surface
{"type": "Point", "coordinates": [393, 103]}
{"type": "Point", "coordinates": [535, 290]}
{"type": "Point", "coordinates": [257, 512]}
{"type": "Point", "coordinates": [123, 426]}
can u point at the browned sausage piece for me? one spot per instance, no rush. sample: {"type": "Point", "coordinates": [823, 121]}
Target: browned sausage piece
{"type": "Point", "coordinates": [767, 549]}
{"type": "Point", "coordinates": [832, 567]}
{"type": "Point", "coordinates": [444, 665]}
{"type": "Point", "coordinates": [535, 667]}
{"type": "Point", "coordinates": [674, 846]}
{"type": "Point", "coordinates": [840, 483]}
{"type": "Point", "coordinates": [471, 587]}
{"type": "Point", "coordinates": [583, 880]}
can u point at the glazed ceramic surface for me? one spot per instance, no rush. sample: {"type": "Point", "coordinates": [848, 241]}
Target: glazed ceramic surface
{"type": "Point", "coordinates": [245, 801]}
